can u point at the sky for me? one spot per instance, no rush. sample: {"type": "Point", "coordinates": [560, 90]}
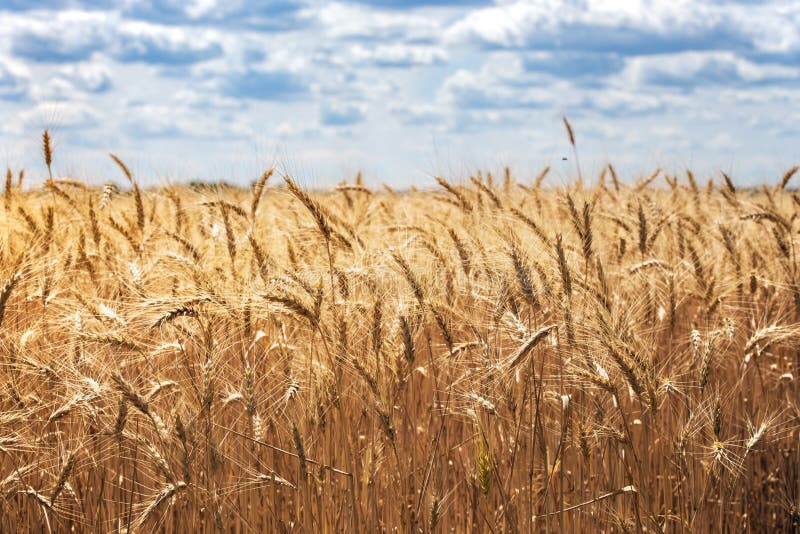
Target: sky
{"type": "Point", "coordinates": [400, 90]}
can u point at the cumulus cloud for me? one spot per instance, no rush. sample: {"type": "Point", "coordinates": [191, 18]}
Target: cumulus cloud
{"type": "Point", "coordinates": [585, 67]}
{"type": "Point", "coordinates": [14, 79]}
{"type": "Point", "coordinates": [503, 81]}
{"type": "Point", "coordinates": [89, 77]}
{"type": "Point", "coordinates": [632, 28]}
{"type": "Point", "coordinates": [350, 21]}
{"type": "Point", "coordinates": [69, 82]}
{"type": "Point", "coordinates": [273, 15]}
{"type": "Point", "coordinates": [342, 114]}
{"type": "Point", "coordinates": [418, 114]}
{"type": "Point", "coordinates": [64, 38]}
{"type": "Point", "coordinates": [74, 36]}
{"type": "Point", "coordinates": [265, 85]}
{"type": "Point", "coordinates": [693, 69]}
{"type": "Point", "coordinates": [157, 121]}
{"type": "Point", "coordinates": [62, 115]}
{"type": "Point", "coordinates": [397, 55]}
{"type": "Point", "coordinates": [164, 45]}
{"type": "Point", "coordinates": [620, 102]}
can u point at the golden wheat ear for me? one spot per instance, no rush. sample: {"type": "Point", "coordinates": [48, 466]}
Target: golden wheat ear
{"type": "Point", "coordinates": [47, 152]}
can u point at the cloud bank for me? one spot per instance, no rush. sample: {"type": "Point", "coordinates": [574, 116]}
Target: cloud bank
{"type": "Point", "coordinates": [401, 90]}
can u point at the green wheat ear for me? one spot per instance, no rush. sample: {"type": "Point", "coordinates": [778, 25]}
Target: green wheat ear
{"type": "Point", "coordinates": [483, 464]}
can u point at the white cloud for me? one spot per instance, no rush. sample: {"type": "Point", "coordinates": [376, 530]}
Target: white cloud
{"type": "Point", "coordinates": [633, 26]}
{"type": "Point", "coordinates": [73, 35]}
{"type": "Point", "coordinates": [61, 116]}
{"type": "Point", "coordinates": [501, 83]}
{"type": "Point", "coordinates": [689, 69]}
{"type": "Point", "coordinates": [91, 77]}
{"type": "Point", "coordinates": [392, 55]}
{"type": "Point", "coordinates": [72, 82]}
{"type": "Point", "coordinates": [418, 114]}
{"type": "Point", "coordinates": [622, 101]}
{"type": "Point", "coordinates": [64, 36]}
{"type": "Point", "coordinates": [14, 78]}
{"type": "Point", "coordinates": [342, 113]}
{"type": "Point", "coordinates": [160, 44]}
{"type": "Point", "coordinates": [348, 21]}
{"type": "Point", "coordinates": [199, 8]}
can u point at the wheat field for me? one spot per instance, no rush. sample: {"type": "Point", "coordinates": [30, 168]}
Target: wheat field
{"type": "Point", "coordinates": [496, 355]}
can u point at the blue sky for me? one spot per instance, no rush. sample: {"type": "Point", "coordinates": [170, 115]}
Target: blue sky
{"type": "Point", "coordinates": [400, 90]}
